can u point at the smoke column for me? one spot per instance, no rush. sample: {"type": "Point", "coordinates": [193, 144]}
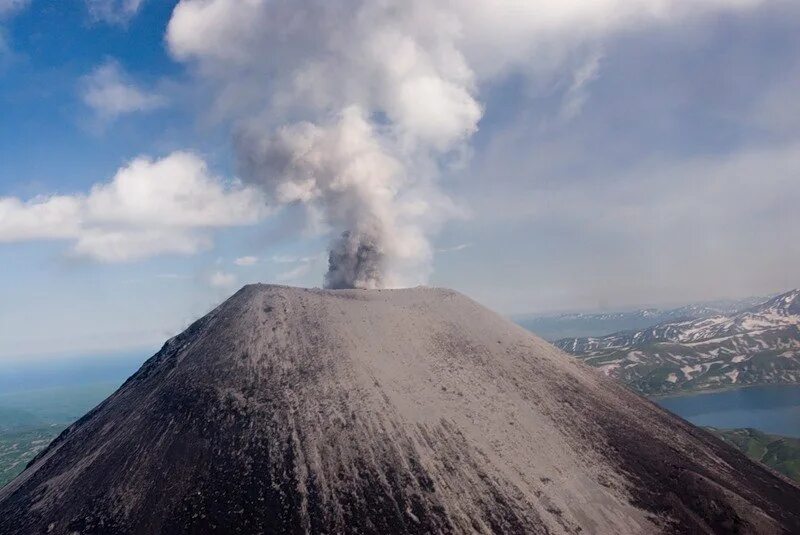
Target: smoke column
{"type": "Point", "coordinates": [351, 110]}
{"type": "Point", "coordinates": [349, 182]}
{"type": "Point", "coordinates": [355, 261]}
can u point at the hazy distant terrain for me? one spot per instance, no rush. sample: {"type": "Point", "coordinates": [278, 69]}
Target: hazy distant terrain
{"type": "Point", "coordinates": [759, 345]}
{"type": "Point", "coordinates": [554, 327]}
{"type": "Point", "coordinates": [30, 419]}
{"type": "Point", "coordinates": [39, 400]}
{"type": "Point", "coordinates": [17, 448]}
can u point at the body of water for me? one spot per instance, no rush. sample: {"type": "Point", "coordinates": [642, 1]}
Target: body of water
{"type": "Point", "coordinates": [770, 408]}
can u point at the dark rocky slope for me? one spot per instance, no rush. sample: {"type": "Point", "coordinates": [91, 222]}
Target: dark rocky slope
{"type": "Point", "coordinates": [404, 411]}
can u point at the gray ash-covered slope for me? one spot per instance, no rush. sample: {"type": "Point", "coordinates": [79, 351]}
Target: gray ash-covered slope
{"type": "Point", "coordinates": [403, 411]}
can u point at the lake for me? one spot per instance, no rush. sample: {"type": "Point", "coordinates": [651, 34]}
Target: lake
{"type": "Point", "coordinates": [769, 408]}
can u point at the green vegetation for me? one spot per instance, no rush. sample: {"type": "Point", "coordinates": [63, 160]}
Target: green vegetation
{"type": "Point", "coordinates": [31, 419]}
{"type": "Point", "coordinates": [18, 448]}
{"type": "Point", "coordinates": [779, 453]}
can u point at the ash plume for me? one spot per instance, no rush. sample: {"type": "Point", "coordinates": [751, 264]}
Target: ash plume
{"type": "Point", "coordinates": [348, 183]}
{"type": "Point", "coordinates": [355, 261]}
{"type": "Point", "coordinates": [351, 110]}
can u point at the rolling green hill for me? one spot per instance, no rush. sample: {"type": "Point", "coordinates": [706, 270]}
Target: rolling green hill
{"type": "Point", "coordinates": [780, 453]}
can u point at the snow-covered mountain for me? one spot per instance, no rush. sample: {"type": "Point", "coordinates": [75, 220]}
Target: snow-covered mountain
{"type": "Point", "coordinates": [758, 345]}
{"type": "Point", "coordinates": [582, 324]}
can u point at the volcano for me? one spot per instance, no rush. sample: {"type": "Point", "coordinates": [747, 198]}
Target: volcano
{"type": "Point", "coordinates": [291, 410]}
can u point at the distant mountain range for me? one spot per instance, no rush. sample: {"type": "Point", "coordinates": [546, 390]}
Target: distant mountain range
{"type": "Point", "coordinates": [576, 325]}
{"type": "Point", "coordinates": [760, 344]}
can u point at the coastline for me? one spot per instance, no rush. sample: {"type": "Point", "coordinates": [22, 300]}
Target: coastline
{"type": "Point", "coordinates": [772, 408]}
{"type": "Point", "coordinates": [728, 388]}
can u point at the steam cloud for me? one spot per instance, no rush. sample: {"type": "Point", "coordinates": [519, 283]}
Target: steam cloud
{"type": "Point", "coordinates": [353, 109]}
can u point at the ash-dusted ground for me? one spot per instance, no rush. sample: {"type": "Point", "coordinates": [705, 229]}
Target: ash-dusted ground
{"type": "Point", "coordinates": [398, 411]}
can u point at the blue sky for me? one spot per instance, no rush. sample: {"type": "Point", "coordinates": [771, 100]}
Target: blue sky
{"type": "Point", "coordinates": [608, 158]}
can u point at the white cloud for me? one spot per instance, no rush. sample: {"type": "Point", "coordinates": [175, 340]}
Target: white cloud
{"type": "Point", "coordinates": [113, 11]}
{"type": "Point", "coordinates": [743, 188]}
{"type": "Point", "coordinates": [10, 6]}
{"type": "Point", "coordinates": [220, 279]}
{"type": "Point", "coordinates": [730, 196]}
{"type": "Point", "coordinates": [150, 207]}
{"type": "Point", "coordinates": [454, 248]}
{"type": "Point", "coordinates": [171, 276]}
{"type": "Point", "coordinates": [577, 94]}
{"type": "Point", "coordinates": [246, 261]}
{"type": "Point", "coordinates": [110, 93]}
{"type": "Point", "coordinates": [294, 273]}
{"type": "Point", "coordinates": [386, 93]}
{"type": "Point", "coordinates": [661, 231]}
{"type": "Point", "coordinates": [177, 191]}
{"type": "Point", "coordinates": [125, 245]}
{"type": "Point", "coordinates": [56, 217]}
{"type": "Point", "coordinates": [289, 259]}
{"type": "Point", "coordinates": [7, 9]}
{"type": "Point", "coordinates": [421, 63]}
{"type": "Point", "coordinates": [300, 266]}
